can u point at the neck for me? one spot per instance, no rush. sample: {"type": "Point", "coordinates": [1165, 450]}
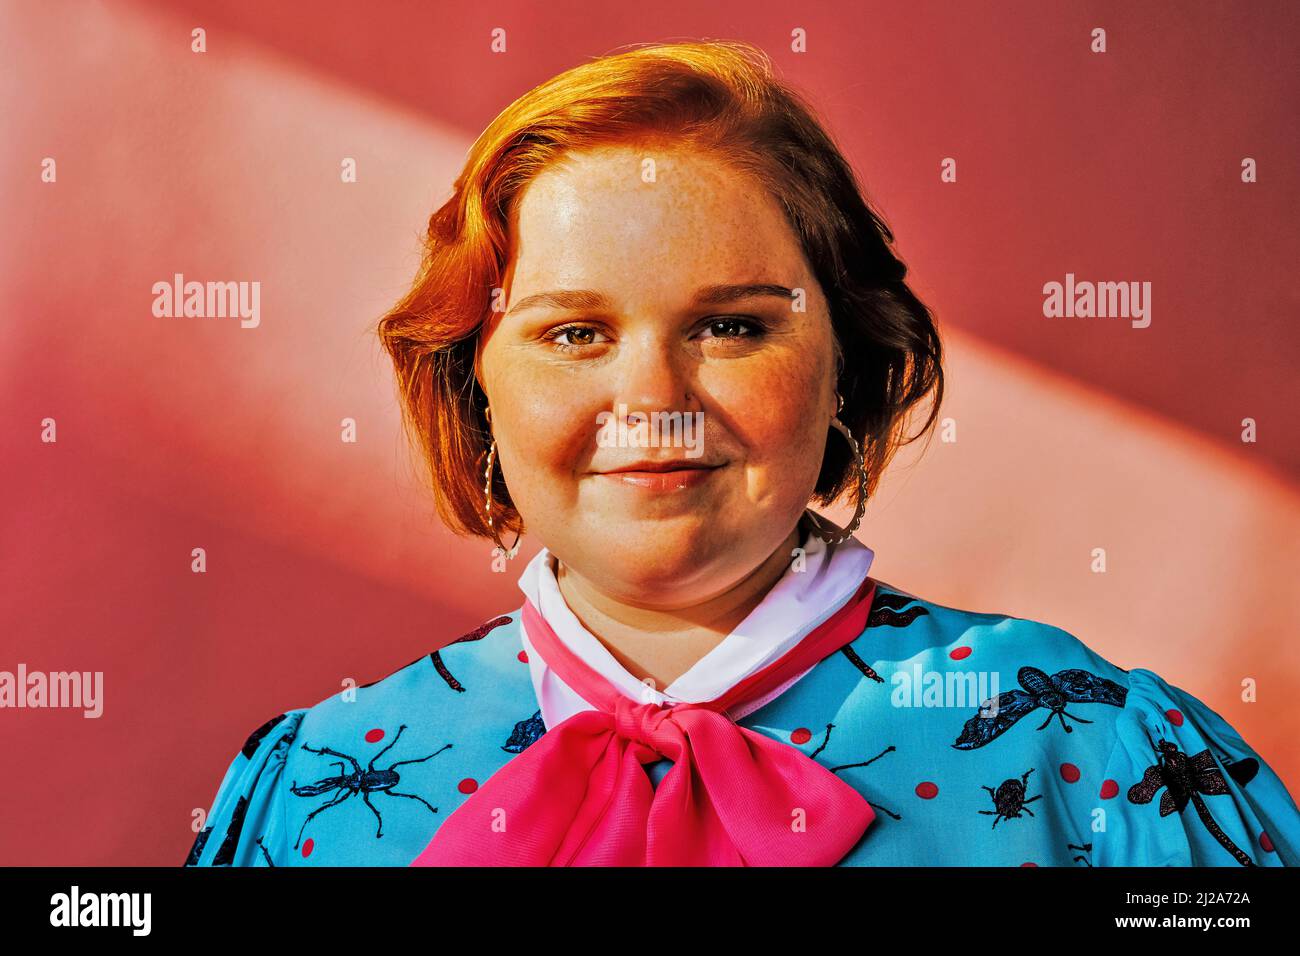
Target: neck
{"type": "Point", "coordinates": [658, 646]}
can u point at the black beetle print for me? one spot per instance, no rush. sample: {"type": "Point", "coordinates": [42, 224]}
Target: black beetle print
{"type": "Point", "coordinates": [364, 782]}
{"type": "Point", "coordinates": [525, 734]}
{"type": "Point", "coordinates": [1184, 779]}
{"type": "Point", "coordinates": [1053, 693]}
{"type": "Point", "coordinates": [1009, 798]}
{"type": "Point", "coordinates": [826, 739]}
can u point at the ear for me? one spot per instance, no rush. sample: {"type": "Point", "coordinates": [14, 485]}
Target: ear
{"type": "Point", "coordinates": [486, 328]}
{"type": "Point", "coordinates": [478, 360]}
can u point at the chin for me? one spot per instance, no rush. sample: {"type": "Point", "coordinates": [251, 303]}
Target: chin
{"type": "Point", "coordinates": [694, 533]}
{"type": "Point", "coordinates": [657, 559]}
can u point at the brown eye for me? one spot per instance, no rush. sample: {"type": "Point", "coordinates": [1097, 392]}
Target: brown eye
{"type": "Point", "coordinates": [736, 328]}
{"type": "Point", "coordinates": [580, 335]}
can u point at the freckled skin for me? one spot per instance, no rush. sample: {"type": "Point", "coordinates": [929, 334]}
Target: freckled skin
{"type": "Point", "coordinates": [589, 221]}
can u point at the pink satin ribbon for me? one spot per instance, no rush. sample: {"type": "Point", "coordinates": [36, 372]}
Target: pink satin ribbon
{"type": "Point", "coordinates": [580, 795]}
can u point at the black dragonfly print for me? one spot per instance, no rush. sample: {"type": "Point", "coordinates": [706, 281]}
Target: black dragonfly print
{"type": "Point", "coordinates": [1184, 779]}
{"type": "Point", "coordinates": [1053, 693]}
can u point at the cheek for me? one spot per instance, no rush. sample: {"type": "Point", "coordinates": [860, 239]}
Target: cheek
{"type": "Point", "coordinates": [776, 411]}
{"type": "Point", "coordinates": [544, 434]}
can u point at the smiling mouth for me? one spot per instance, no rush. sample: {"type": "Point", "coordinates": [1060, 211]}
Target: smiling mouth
{"type": "Point", "coordinates": [658, 466]}
{"type": "Point", "coordinates": [666, 476]}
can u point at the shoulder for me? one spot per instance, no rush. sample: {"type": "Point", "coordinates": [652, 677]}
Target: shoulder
{"type": "Point", "coordinates": [1192, 790]}
{"type": "Point", "coordinates": [906, 623]}
{"type": "Point", "coordinates": [1019, 668]}
{"type": "Point", "coordinates": [431, 706]}
{"type": "Point", "coordinates": [466, 676]}
{"type": "Point", "coordinates": [233, 832]}
{"type": "Point", "coordinates": [1124, 751]}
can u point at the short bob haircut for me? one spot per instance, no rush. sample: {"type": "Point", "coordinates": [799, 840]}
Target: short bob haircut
{"type": "Point", "coordinates": [715, 97]}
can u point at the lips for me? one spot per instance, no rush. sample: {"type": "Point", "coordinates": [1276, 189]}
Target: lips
{"type": "Point", "coordinates": [655, 467]}
{"type": "Point", "coordinates": [662, 475]}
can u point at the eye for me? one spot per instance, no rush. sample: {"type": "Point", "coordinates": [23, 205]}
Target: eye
{"type": "Point", "coordinates": [584, 335]}
{"type": "Point", "coordinates": [734, 327]}
{"type": "Point", "coordinates": [576, 336]}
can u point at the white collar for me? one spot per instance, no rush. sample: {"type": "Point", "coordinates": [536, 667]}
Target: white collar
{"type": "Point", "coordinates": [795, 605]}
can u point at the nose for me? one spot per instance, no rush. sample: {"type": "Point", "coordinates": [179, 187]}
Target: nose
{"type": "Point", "coordinates": [657, 374]}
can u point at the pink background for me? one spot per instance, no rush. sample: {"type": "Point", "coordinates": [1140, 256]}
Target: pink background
{"type": "Point", "coordinates": [324, 559]}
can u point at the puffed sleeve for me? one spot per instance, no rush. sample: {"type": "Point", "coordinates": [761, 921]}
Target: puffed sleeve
{"type": "Point", "coordinates": [245, 826]}
{"type": "Point", "coordinates": [1182, 788]}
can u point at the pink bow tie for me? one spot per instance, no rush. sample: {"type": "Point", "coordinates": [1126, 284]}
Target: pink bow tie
{"type": "Point", "coordinates": [580, 795]}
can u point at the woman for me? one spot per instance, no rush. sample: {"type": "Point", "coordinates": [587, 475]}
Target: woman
{"type": "Point", "coordinates": [654, 322]}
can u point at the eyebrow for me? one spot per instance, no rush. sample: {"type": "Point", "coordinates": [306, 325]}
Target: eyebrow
{"type": "Point", "coordinates": [705, 295]}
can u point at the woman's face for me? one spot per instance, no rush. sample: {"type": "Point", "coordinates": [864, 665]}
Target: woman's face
{"type": "Point", "coordinates": [624, 292]}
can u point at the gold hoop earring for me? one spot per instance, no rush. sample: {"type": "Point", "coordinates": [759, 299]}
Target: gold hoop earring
{"type": "Point", "coordinates": [820, 527]}
{"type": "Point", "coordinates": [487, 497]}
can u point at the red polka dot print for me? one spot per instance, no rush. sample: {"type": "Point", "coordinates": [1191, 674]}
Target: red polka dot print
{"type": "Point", "coordinates": [374, 736]}
{"type": "Point", "coordinates": [468, 785]}
{"type": "Point", "coordinates": [308, 845]}
{"type": "Point", "coordinates": [1175, 717]}
{"type": "Point", "coordinates": [1265, 843]}
{"type": "Point", "coordinates": [960, 653]}
{"type": "Point", "coordinates": [1069, 773]}
{"type": "Point", "coordinates": [800, 735]}
{"type": "Point", "coordinates": [927, 790]}
{"type": "Point", "coordinates": [523, 657]}
{"type": "Point", "coordinates": [1108, 789]}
